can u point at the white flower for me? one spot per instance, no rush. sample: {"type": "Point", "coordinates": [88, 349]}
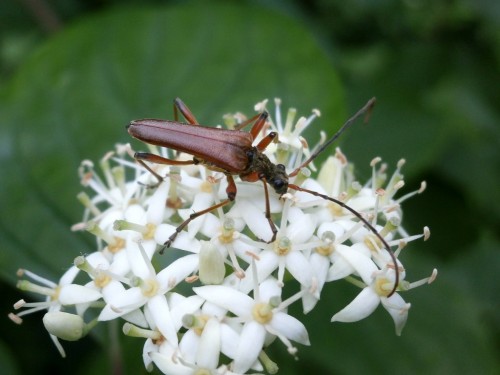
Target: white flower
{"type": "Point", "coordinates": [150, 290]}
{"type": "Point", "coordinates": [260, 316]}
{"type": "Point", "coordinates": [319, 230]}
{"type": "Point", "coordinates": [376, 292]}
{"type": "Point", "coordinates": [202, 356]}
{"type": "Point", "coordinates": [57, 296]}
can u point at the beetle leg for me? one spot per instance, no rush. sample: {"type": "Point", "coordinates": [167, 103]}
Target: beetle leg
{"type": "Point", "coordinates": [186, 112]}
{"type": "Point", "coordinates": [268, 211]}
{"type": "Point", "coordinates": [231, 194]}
{"type": "Point", "coordinates": [261, 146]}
{"type": "Point", "coordinates": [259, 124]}
{"type": "Point", "coordinates": [189, 219]}
{"type": "Point", "coordinates": [157, 159]}
{"type": "Point", "coordinates": [249, 121]}
{"type": "Point", "coordinates": [141, 157]}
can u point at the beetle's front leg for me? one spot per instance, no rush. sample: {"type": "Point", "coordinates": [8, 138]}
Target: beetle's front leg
{"type": "Point", "coordinates": [141, 157]}
{"type": "Point", "coordinates": [231, 194]}
{"type": "Point", "coordinates": [268, 211]}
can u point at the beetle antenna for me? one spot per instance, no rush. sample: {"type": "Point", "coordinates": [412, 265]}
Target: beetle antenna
{"type": "Point", "coordinates": [366, 110]}
{"type": "Point", "coordinates": [365, 222]}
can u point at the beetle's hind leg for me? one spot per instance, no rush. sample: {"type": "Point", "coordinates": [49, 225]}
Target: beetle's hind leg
{"type": "Point", "coordinates": [180, 106]}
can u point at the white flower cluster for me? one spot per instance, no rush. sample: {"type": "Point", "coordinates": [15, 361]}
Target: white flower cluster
{"type": "Point", "coordinates": [213, 301]}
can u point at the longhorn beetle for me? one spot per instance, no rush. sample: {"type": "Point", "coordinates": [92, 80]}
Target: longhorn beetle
{"type": "Point", "coordinates": [232, 153]}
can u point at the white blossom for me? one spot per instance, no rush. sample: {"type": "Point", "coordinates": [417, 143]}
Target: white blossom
{"type": "Point", "coordinates": [212, 302]}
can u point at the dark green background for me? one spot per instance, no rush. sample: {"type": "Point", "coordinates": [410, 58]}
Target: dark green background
{"type": "Point", "coordinates": [72, 77]}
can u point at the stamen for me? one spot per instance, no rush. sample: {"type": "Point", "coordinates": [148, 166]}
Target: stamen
{"type": "Point", "coordinates": [427, 280]}
{"type": "Point", "coordinates": [425, 234]}
{"type": "Point", "coordinates": [284, 305]}
{"type": "Point", "coordinates": [261, 106]}
{"type": "Point", "coordinates": [15, 318]}
{"type": "Point", "coordinates": [421, 189]}
{"type": "Point", "coordinates": [391, 225]}
{"type": "Point", "coordinates": [106, 169]}
{"type": "Point", "coordinates": [299, 127]}
{"type": "Point", "coordinates": [270, 366]}
{"type": "Point", "coordinates": [92, 227]}
{"type": "Point", "coordinates": [277, 115]}
{"type": "Point", "coordinates": [33, 276]}
{"type": "Point", "coordinates": [290, 117]}
{"type": "Point", "coordinates": [27, 286]}
{"type": "Point", "coordinates": [118, 173]}
{"type": "Point", "coordinates": [132, 330]}
{"type": "Point", "coordinates": [87, 203]}
{"type": "Point", "coordinates": [86, 171]}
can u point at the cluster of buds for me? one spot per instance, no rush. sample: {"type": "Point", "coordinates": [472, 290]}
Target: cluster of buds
{"type": "Point", "coordinates": [213, 301]}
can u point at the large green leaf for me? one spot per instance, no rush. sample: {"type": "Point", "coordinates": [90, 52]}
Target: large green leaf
{"type": "Point", "coordinates": [72, 99]}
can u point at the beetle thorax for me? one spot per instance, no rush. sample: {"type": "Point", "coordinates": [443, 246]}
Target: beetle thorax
{"type": "Point", "coordinates": [261, 168]}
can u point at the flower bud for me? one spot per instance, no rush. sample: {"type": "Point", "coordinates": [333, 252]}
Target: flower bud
{"type": "Point", "coordinates": [69, 327]}
{"type": "Point", "coordinates": [211, 264]}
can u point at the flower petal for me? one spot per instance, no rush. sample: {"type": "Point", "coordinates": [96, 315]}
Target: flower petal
{"type": "Point", "coordinates": [122, 303]}
{"type": "Point", "coordinates": [255, 219]}
{"type": "Point", "coordinates": [235, 301]}
{"type": "Point", "coordinates": [251, 342]}
{"type": "Point", "coordinates": [363, 264]}
{"type": "Point", "coordinates": [201, 202]}
{"type": "Point", "coordinates": [177, 271]}
{"type": "Point", "coordinates": [208, 352]}
{"type": "Point", "coordinates": [187, 306]}
{"type": "Point", "coordinates": [69, 275]}
{"type": "Point", "coordinates": [156, 203]}
{"type": "Point", "coordinates": [266, 264]}
{"type": "Point", "coordinates": [363, 305]}
{"type": "Point", "coordinates": [229, 340]}
{"type": "Point", "coordinates": [289, 327]}
{"type": "Point", "coordinates": [300, 226]}
{"type": "Point", "coordinates": [73, 294]}
{"type": "Point", "coordinates": [166, 364]}
{"type": "Point", "coordinates": [189, 345]}
{"type": "Point", "coordinates": [298, 265]}
{"type": "Point", "coordinates": [398, 308]}
{"type": "Point", "coordinates": [269, 288]}
{"type": "Point", "coordinates": [158, 307]}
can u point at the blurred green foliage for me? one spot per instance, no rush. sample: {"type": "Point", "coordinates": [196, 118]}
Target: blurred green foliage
{"type": "Point", "coordinates": [73, 73]}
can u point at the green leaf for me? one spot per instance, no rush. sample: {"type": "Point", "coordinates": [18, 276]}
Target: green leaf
{"type": "Point", "coordinates": [449, 329]}
{"type": "Point", "coordinates": [72, 99]}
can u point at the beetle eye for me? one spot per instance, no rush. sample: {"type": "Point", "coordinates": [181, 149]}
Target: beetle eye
{"type": "Point", "coordinates": [278, 184]}
{"type": "Point", "coordinates": [281, 167]}
{"type": "Point", "coordinates": [250, 155]}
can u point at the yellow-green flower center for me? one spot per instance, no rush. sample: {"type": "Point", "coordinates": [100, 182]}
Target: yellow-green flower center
{"type": "Point", "coordinates": [150, 287]}
{"type": "Point", "coordinates": [262, 313]}
{"type": "Point", "coordinates": [383, 286]}
{"type": "Point", "coordinates": [102, 279]}
{"type": "Point", "coordinates": [150, 231]}
{"type": "Point", "coordinates": [282, 246]}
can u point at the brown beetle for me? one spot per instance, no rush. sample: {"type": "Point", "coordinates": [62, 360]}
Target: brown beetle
{"type": "Point", "coordinates": [232, 153]}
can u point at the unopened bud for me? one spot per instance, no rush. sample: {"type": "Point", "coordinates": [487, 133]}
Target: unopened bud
{"type": "Point", "coordinates": [69, 327]}
{"type": "Point", "coordinates": [211, 268]}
